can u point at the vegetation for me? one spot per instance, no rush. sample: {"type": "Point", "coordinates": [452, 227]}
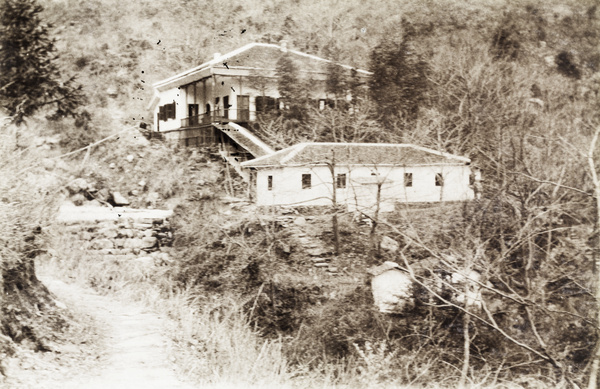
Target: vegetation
{"type": "Point", "coordinates": [513, 86]}
{"type": "Point", "coordinates": [29, 76]}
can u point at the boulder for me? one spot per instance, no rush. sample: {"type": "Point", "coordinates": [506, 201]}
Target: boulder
{"type": "Point", "coordinates": [119, 199]}
{"type": "Point", "coordinates": [392, 288]}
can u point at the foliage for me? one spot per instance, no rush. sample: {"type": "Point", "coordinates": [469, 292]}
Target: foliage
{"type": "Point", "coordinates": [399, 82]}
{"type": "Point", "coordinates": [30, 79]}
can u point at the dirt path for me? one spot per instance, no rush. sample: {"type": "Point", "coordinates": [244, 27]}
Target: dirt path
{"type": "Point", "coordinates": [135, 354]}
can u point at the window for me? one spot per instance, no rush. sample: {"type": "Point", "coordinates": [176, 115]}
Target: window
{"type": "Point", "coordinates": [166, 112]}
{"type": "Point", "coordinates": [269, 182]}
{"type": "Point", "coordinates": [408, 179]}
{"type": "Point", "coordinates": [340, 181]}
{"type": "Point", "coordinates": [439, 179]}
{"type": "Point", "coordinates": [306, 184]}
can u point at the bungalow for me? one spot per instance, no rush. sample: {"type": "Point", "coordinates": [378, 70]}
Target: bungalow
{"type": "Point", "coordinates": [361, 174]}
{"type": "Point", "coordinates": [213, 103]}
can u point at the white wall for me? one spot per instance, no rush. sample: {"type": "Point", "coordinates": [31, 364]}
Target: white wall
{"type": "Point", "coordinates": [220, 86]}
{"type": "Point", "coordinates": [361, 187]}
{"type": "Point", "coordinates": [167, 97]}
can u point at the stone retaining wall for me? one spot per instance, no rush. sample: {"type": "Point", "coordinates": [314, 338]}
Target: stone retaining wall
{"type": "Point", "coordinates": [145, 240]}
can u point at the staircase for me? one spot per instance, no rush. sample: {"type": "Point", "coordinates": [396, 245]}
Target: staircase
{"type": "Point", "coordinates": [245, 139]}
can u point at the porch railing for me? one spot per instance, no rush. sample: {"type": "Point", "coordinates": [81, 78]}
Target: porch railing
{"type": "Point", "coordinates": [230, 115]}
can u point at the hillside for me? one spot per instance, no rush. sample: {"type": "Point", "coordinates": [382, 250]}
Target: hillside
{"type": "Point", "coordinates": [503, 289]}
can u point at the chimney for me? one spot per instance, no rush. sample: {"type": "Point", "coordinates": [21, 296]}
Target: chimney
{"type": "Point", "coordinates": [283, 45]}
{"type": "Point", "coordinates": [216, 55]}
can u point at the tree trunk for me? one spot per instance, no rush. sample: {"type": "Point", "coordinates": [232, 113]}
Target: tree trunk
{"type": "Point", "coordinates": [592, 384]}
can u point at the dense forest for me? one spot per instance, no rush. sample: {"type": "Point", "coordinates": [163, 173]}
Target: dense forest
{"type": "Point", "coordinates": [513, 85]}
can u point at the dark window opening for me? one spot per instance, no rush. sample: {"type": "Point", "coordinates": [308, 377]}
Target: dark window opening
{"type": "Point", "coordinates": [341, 181]}
{"type": "Point", "coordinates": [439, 179]}
{"type": "Point", "coordinates": [226, 107]}
{"type": "Point", "coordinates": [166, 112]}
{"type": "Point", "coordinates": [306, 181]}
{"type": "Point", "coordinates": [269, 182]}
{"type": "Point", "coordinates": [408, 179]}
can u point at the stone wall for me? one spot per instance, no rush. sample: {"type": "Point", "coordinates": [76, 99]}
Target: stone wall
{"type": "Point", "coordinates": [144, 240]}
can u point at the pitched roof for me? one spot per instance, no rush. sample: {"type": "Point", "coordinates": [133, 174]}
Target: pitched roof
{"type": "Point", "coordinates": [356, 154]}
{"type": "Point", "coordinates": [255, 56]}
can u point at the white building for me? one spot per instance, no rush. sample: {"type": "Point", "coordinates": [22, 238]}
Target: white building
{"type": "Point", "coordinates": [305, 174]}
{"type": "Point", "coordinates": [196, 107]}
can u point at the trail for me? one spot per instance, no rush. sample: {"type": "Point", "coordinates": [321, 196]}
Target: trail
{"type": "Point", "coordinates": [136, 351]}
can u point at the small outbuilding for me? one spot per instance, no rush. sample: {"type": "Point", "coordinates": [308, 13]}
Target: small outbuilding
{"type": "Point", "coordinates": [392, 288]}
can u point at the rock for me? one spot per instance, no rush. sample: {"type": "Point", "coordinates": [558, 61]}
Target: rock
{"type": "Point", "coordinates": [125, 233]}
{"type": "Point", "coordinates": [48, 164]}
{"type": "Point", "coordinates": [119, 199]}
{"type": "Point", "coordinates": [300, 221]}
{"type": "Point", "coordinates": [130, 158]}
{"type": "Point", "coordinates": [149, 242]}
{"type": "Point", "coordinates": [103, 194]}
{"type": "Point", "coordinates": [78, 199]}
{"type": "Point", "coordinates": [142, 184]}
{"type": "Point", "coordinates": [60, 304]}
{"type": "Point", "coordinates": [332, 269]}
{"type": "Point", "coordinates": [142, 226]}
{"type": "Point", "coordinates": [112, 165]}
{"type": "Point", "coordinates": [152, 198]}
{"type": "Point", "coordinates": [392, 288]}
{"type": "Point", "coordinates": [109, 233]}
{"type": "Point", "coordinates": [145, 261]}
{"type": "Point", "coordinates": [321, 264]}
{"type": "Point", "coordinates": [135, 192]}
{"type": "Point", "coordinates": [538, 102]}
{"type": "Point", "coordinates": [549, 60]}
{"type": "Point", "coordinates": [389, 244]}
{"type": "Point", "coordinates": [133, 244]}
{"type": "Point", "coordinates": [102, 244]}
{"type": "Point", "coordinates": [317, 252]}
{"type": "Point", "coordinates": [94, 203]}
{"type": "Point", "coordinates": [77, 185]}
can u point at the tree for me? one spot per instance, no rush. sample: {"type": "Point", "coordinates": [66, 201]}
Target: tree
{"type": "Point", "coordinates": [30, 79]}
{"type": "Point", "coordinates": [399, 83]}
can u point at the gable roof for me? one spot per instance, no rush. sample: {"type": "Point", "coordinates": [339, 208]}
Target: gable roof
{"type": "Point", "coordinates": [252, 56]}
{"type": "Point", "coordinates": [356, 154]}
